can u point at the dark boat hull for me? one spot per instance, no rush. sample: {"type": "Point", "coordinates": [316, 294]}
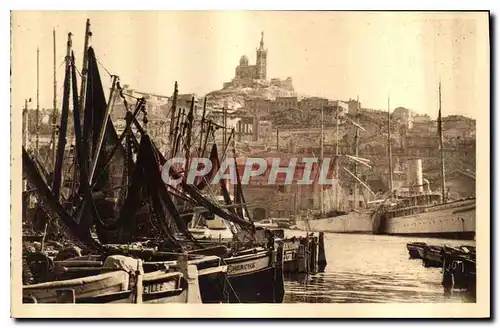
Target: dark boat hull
{"type": "Point", "coordinates": [433, 257]}
{"type": "Point", "coordinates": [415, 250]}
{"type": "Point", "coordinates": [459, 271]}
{"type": "Point", "coordinates": [255, 278]}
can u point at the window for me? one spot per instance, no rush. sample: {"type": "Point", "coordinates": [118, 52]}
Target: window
{"type": "Point", "coordinates": [351, 191]}
{"type": "Point", "coordinates": [360, 203]}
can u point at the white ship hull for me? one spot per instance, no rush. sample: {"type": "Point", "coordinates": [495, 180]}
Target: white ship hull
{"type": "Point", "coordinates": [453, 220]}
{"type": "Point", "coordinates": [352, 222]}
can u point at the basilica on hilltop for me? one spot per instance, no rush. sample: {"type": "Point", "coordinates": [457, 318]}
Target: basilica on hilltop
{"type": "Point", "coordinates": [256, 75]}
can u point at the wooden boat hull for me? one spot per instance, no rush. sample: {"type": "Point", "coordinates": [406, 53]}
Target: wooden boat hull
{"type": "Point", "coordinates": [178, 295]}
{"type": "Point", "coordinates": [254, 278]}
{"type": "Point", "coordinates": [415, 250]}
{"type": "Point", "coordinates": [109, 287]}
{"type": "Point", "coordinates": [214, 286]}
{"type": "Point", "coordinates": [459, 271]}
{"type": "Point", "coordinates": [87, 287]}
{"type": "Point", "coordinates": [433, 257]}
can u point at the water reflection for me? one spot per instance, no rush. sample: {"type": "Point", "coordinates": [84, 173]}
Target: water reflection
{"type": "Point", "coordinates": [372, 269]}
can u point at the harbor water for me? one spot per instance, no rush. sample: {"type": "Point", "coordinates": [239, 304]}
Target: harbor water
{"type": "Point", "coordinates": [371, 269]}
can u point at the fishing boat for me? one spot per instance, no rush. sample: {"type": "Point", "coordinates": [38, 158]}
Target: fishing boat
{"type": "Point", "coordinates": [211, 227]}
{"type": "Point", "coordinates": [262, 265]}
{"type": "Point", "coordinates": [459, 270]}
{"type": "Point", "coordinates": [433, 256]}
{"type": "Point", "coordinates": [118, 280]}
{"type": "Point", "coordinates": [119, 196]}
{"type": "Point", "coordinates": [267, 223]}
{"type": "Point", "coordinates": [416, 249]}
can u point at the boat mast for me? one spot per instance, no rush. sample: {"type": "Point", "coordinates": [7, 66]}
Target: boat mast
{"type": "Point", "coordinates": [389, 145]}
{"type": "Point", "coordinates": [173, 110]}
{"type": "Point", "coordinates": [224, 133]}
{"type": "Point", "coordinates": [277, 139]}
{"type": "Point", "coordinates": [56, 183]}
{"type": "Point", "coordinates": [202, 124]}
{"type": "Point", "coordinates": [25, 124]}
{"type": "Point", "coordinates": [37, 115]}
{"type": "Point", "coordinates": [322, 205]}
{"type": "Point", "coordinates": [25, 135]}
{"type": "Point", "coordinates": [54, 102]}
{"type": "Point", "coordinates": [109, 108]}
{"type": "Point", "coordinates": [356, 153]}
{"type": "Point", "coordinates": [337, 187]}
{"type": "Point", "coordinates": [440, 133]}
{"type": "Point", "coordinates": [85, 65]}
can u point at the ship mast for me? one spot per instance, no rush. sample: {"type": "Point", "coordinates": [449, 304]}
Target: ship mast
{"type": "Point", "coordinates": [58, 167]}
{"type": "Point", "coordinates": [25, 135]}
{"type": "Point", "coordinates": [277, 139]}
{"type": "Point", "coordinates": [173, 110]}
{"type": "Point", "coordinates": [337, 187]}
{"type": "Point", "coordinates": [102, 133]}
{"type": "Point", "coordinates": [85, 65]}
{"type": "Point", "coordinates": [26, 124]}
{"type": "Point", "coordinates": [322, 205]}
{"type": "Point", "coordinates": [389, 145]}
{"type": "Point", "coordinates": [224, 133]}
{"type": "Point", "coordinates": [440, 134]}
{"type": "Point", "coordinates": [37, 115]}
{"type": "Point", "coordinates": [356, 153]}
{"type": "Point", "coordinates": [54, 102]}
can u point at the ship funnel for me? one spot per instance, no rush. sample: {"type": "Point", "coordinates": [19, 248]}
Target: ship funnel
{"type": "Point", "coordinates": [415, 179]}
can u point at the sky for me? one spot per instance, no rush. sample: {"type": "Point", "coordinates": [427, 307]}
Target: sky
{"type": "Point", "coordinates": [338, 55]}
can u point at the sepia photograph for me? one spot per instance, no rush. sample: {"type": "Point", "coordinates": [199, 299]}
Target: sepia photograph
{"type": "Point", "coordinates": [324, 160]}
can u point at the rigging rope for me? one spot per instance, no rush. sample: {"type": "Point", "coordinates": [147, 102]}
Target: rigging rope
{"type": "Point", "coordinates": [99, 62]}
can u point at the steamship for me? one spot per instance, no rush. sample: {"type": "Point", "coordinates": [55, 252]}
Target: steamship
{"type": "Point", "coordinates": [415, 211]}
{"type": "Point", "coordinates": [419, 211]}
{"type": "Point", "coordinates": [407, 211]}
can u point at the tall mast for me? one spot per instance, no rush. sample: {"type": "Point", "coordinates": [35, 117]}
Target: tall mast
{"type": "Point", "coordinates": [356, 153]}
{"type": "Point", "coordinates": [322, 205]}
{"type": "Point", "coordinates": [85, 65]}
{"type": "Point", "coordinates": [337, 187]}
{"type": "Point", "coordinates": [277, 139]}
{"type": "Point", "coordinates": [440, 132]}
{"type": "Point", "coordinates": [109, 108]}
{"type": "Point", "coordinates": [25, 135]}
{"type": "Point", "coordinates": [61, 145]}
{"type": "Point", "coordinates": [54, 102]}
{"type": "Point", "coordinates": [224, 133]}
{"type": "Point", "coordinates": [25, 124]}
{"type": "Point", "coordinates": [202, 123]}
{"type": "Point", "coordinates": [37, 116]}
{"type": "Point", "coordinates": [173, 110]}
{"type": "Point", "coordinates": [389, 145]}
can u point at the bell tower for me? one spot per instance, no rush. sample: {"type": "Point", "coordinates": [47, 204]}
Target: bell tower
{"type": "Point", "coordinates": [261, 64]}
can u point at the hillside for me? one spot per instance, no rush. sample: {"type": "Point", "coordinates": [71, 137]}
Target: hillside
{"type": "Point", "coordinates": [234, 96]}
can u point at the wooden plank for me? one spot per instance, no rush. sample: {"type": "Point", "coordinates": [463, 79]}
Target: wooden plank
{"type": "Point", "coordinates": [66, 296]}
{"type": "Point", "coordinates": [139, 286]}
